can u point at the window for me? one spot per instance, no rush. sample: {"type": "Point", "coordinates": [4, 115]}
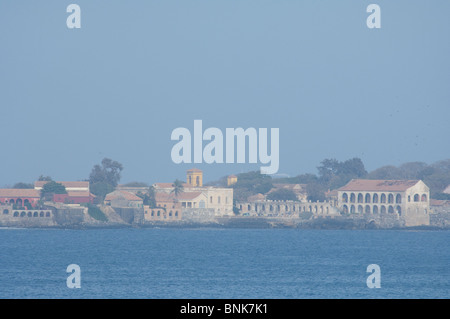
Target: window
{"type": "Point", "coordinates": [210, 200]}
{"type": "Point", "coordinates": [218, 200]}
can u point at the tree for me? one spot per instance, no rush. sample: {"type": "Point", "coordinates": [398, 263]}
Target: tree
{"type": "Point", "coordinates": [51, 188]}
{"type": "Point", "coordinates": [44, 178]}
{"type": "Point", "coordinates": [282, 194]}
{"type": "Point", "coordinates": [21, 185]}
{"type": "Point", "coordinates": [178, 188]}
{"type": "Point", "coordinates": [104, 178]}
{"type": "Point", "coordinates": [108, 172]}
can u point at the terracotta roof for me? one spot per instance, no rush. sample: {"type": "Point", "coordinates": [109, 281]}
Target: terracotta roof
{"type": "Point", "coordinates": [66, 184]}
{"type": "Point", "coordinates": [16, 192]}
{"type": "Point", "coordinates": [122, 195]}
{"type": "Point", "coordinates": [80, 194]}
{"type": "Point", "coordinates": [378, 185]}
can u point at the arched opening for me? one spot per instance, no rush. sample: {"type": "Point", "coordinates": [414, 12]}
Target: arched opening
{"type": "Point", "coordinates": [345, 198]}
{"type": "Point", "coordinates": [11, 201]}
{"type": "Point", "coordinates": [249, 207]}
{"type": "Point", "coordinates": [416, 197]}
{"type": "Point", "coordinates": [398, 199]}
{"type": "Point", "coordinates": [383, 198]}
{"type": "Point", "coordinates": [170, 214]}
{"type": "Point", "coordinates": [263, 208]}
{"type": "Point", "coordinates": [310, 209]}
{"type": "Point", "coordinates": [293, 208]}
{"type": "Point", "coordinates": [35, 214]}
{"type": "Point", "coordinates": [352, 198]}
{"type": "Point", "coordinates": [5, 212]}
{"type": "Point", "coordinates": [399, 210]}
{"type": "Point", "coordinates": [390, 198]}
{"type": "Point", "coordinates": [424, 198]}
{"type": "Point", "coordinates": [367, 209]}
{"type": "Point", "coordinates": [360, 198]}
{"type": "Point", "coordinates": [390, 209]}
{"type": "Point", "coordinates": [47, 214]}
{"type": "Point", "coordinates": [375, 198]}
{"type": "Point", "coordinates": [270, 208]}
{"type": "Point", "coordinates": [321, 209]}
{"type": "Point", "coordinates": [360, 209]}
{"type": "Point", "coordinates": [367, 199]}
{"type": "Point", "coordinates": [30, 214]}
{"type": "Point", "coordinates": [23, 214]}
{"type": "Point", "coordinates": [41, 214]}
{"type": "Point", "coordinates": [345, 209]}
{"type": "Point", "coordinates": [352, 209]}
{"type": "Point", "coordinates": [19, 202]}
{"type": "Point", "coordinates": [375, 209]}
{"type": "Point", "coordinates": [197, 181]}
{"type": "Point", "coordinates": [16, 214]}
{"type": "Point", "coordinates": [176, 213]}
{"type": "Point", "coordinates": [383, 209]}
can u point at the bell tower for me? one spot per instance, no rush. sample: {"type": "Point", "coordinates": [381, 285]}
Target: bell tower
{"type": "Point", "coordinates": [194, 177]}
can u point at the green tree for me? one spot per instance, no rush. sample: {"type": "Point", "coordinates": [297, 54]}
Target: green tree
{"type": "Point", "coordinates": [44, 178]}
{"type": "Point", "coordinates": [178, 188]}
{"type": "Point", "coordinates": [104, 178]}
{"type": "Point", "coordinates": [21, 185]}
{"type": "Point", "coordinates": [51, 188]}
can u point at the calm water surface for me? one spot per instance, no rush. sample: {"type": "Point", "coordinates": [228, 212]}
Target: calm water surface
{"type": "Point", "coordinates": [224, 263]}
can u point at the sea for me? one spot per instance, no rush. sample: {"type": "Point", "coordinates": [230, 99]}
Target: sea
{"type": "Point", "coordinates": [229, 263]}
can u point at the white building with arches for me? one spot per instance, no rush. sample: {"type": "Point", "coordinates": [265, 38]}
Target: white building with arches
{"type": "Point", "coordinates": [408, 200]}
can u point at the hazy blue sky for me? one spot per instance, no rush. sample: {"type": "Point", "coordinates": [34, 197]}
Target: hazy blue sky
{"type": "Point", "coordinates": [136, 70]}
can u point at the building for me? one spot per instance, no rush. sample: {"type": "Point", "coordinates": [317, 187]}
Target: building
{"type": "Point", "coordinates": [20, 197]}
{"type": "Point", "coordinates": [194, 177]}
{"type": "Point", "coordinates": [219, 199]}
{"type": "Point", "coordinates": [121, 198]}
{"type": "Point", "coordinates": [78, 192]}
{"type": "Point", "coordinates": [231, 179]}
{"type": "Point", "coordinates": [408, 199]}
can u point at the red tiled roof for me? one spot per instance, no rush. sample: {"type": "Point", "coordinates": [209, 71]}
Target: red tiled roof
{"type": "Point", "coordinates": [378, 185]}
{"type": "Point", "coordinates": [122, 194]}
{"type": "Point", "coordinates": [16, 192]}
{"type": "Point", "coordinates": [80, 194]}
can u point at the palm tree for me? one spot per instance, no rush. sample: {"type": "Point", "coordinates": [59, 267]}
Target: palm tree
{"type": "Point", "coordinates": [177, 188]}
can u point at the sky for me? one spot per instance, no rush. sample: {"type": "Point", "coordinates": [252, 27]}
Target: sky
{"type": "Point", "coordinates": [136, 70]}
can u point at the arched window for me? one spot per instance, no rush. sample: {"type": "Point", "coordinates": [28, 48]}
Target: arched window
{"type": "Point", "coordinates": [424, 198]}
{"type": "Point", "coordinates": [352, 198]}
{"type": "Point", "coordinates": [416, 197]}
{"type": "Point", "coordinates": [16, 214]}
{"type": "Point", "coordinates": [170, 214]}
{"type": "Point", "coordinates": [35, 214]}
{"type": "Point", "coordinates": [197, 181]}
{"type": "Point", "coordinates": [47, 214]}
{"type": "Point", "coordinates": [345, 209]}
{"type": "Point", "coordinates": [345, 198]}
{"type": "Point", "coordinates": [375, 198]}
{"type": "Point", "coordinates": [383, 198]}
{"type": "Point", "coordinates": [360, 198]}
{"type": "Point", "coordinates": [249, 207]}
{"type": "Point", "coordinates": [390, 198]}
{"type": "Point", "coordinates": [367, 199]}
{"type": "Point", "coordinates": [390, 209]}
{"type": "Point", "coordinates": [383, 209]}
{"type": "Point", "coordinates": [360, 209]}
{"type": "Point", "coordinates": [23, 214]}
{"type": "Point", "coordinates": [30, 214]}
{"type": "Point", "coordinates": [375, 209]}
{"type": "Point", "coordinates": [41, 214]}
{"type": "Point", "coordinates": [5, 212]}
{"type": "Point", "coordinates": [352, 209]}
{"type": "Point", "coordinates": [399, 210]}
{"type": "Point", "coordinates": [367, 209]}
{"type": "Point", "coordinates": [398, 199]}
{"type": "Point", "coordinates": [176, 213]}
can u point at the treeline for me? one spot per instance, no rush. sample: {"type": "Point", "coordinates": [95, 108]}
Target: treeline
{"type": "Point", "coordinates": [332, 174]}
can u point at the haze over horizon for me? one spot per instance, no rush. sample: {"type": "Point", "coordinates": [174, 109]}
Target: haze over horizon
{"type": "Point", "coordinates": [135, 71]}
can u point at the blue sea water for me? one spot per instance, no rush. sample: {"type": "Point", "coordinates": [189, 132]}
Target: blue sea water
{"type": "Point", "coordinates": [223, 263]}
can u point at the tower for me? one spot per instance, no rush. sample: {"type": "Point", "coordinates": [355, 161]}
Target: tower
{"type": "Point", "coordinates": [194, 177]}
{"type": "Point", "coordinates": [231, 179]}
